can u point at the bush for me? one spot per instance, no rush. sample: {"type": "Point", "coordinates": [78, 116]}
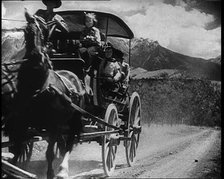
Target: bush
{"type": "Point", "coordinates": [175, 101]}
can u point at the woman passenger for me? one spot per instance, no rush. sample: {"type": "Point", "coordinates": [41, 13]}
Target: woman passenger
{"type": "Point", "coordinates": [90, 40]}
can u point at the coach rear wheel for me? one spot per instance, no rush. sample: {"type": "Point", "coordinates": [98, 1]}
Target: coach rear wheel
{"type": "Point", "coordinates": [133, 129]}
{"type": "Point", "coordinates": [109, 146]}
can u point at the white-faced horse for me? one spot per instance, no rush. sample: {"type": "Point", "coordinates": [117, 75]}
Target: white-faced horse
{"type": "Point", "coordinates": [39, 105]}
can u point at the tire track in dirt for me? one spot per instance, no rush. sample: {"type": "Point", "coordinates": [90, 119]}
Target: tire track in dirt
{"type": "Point", "coordinates": [173, 160]}
{"type": "Point", "coordinates": [183, 163]}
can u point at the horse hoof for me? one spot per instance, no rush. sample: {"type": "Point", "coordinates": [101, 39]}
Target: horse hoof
{"type": "Point", "coordinates": [63, 174]}
{"type": "Point", "coordinates": [50, 174]}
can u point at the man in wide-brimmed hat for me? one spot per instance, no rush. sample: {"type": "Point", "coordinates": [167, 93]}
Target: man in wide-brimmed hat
{"type": "Point", "coordinates": [57, 3]}
{"type": "Point", "coordinates": [50, 15]}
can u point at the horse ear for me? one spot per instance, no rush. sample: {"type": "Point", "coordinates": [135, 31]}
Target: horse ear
{"type": "Point", "coordinates": [28, 16]}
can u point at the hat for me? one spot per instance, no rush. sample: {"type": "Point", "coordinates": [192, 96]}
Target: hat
{"type": "Point", "coordinates": [57, 2]}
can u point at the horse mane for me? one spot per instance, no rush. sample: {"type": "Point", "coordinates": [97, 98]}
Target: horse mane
{"type": "Point", "coordinates": [33, 23]}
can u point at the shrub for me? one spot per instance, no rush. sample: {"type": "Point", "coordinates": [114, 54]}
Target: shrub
{"type": "Point", "coordinates": [174, 101]}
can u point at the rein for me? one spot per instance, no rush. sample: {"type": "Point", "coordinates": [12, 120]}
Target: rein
{"type": "Point", "coordinates": [48, 24]}
{"type": "Point", "coordinates": [38, 26]}
{"type": "Point", "coordinates": [9, 80]}
{"type": "Point", "coordinates": [6, 65]}
{"type": "Point", "coordinates": [45, 87]}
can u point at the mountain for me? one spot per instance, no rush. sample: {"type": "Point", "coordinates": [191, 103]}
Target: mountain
{"type": "Point", "coordinates": [151, 56]}
{"type": "Point", "coordinates": [216, 60]}
{"type": "Point", "coordinates": [12, 46]}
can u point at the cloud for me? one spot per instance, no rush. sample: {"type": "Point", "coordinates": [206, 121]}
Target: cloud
{"type": "Point", "coordinates": [12, 18]}
{"type": "Point", "coordinates": [170, 22]}
{"type": "Point", "coordinates": [177, 29]}
{"type": "Point", "coordinates": [115, 6]}
{"type": "Point", "coordinates": [4, 23]}
{"type": "Point", "coordinates": [197, 43]}
{"type": "Point", "coordinates": [3, 10]}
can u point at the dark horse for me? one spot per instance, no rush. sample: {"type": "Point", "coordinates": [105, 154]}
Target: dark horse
{"type": "Point", "coordinates": [38, 102]}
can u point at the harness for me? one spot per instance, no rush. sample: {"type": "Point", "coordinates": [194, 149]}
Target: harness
{"type": "Point", "coordinates": [47, 86]}
{"type": "Point", "coordinates": [70, 91]}
{"type": "Point", "coordinates": [8, 76]}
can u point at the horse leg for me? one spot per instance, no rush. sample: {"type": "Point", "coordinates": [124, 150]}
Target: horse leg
{"type": "Point", "coordinates": [75, 129]}
{"type": "Point", "coordinates": [50, 156]}
{"type": "Point", "coordinates": [16, 150]}
{"type": "Point", "coordinates": [17, 135]}
{"type": "Point", "coordinates": [63, 169]}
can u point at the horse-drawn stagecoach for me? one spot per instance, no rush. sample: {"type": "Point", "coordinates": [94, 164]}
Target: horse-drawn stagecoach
{"type": "Point", "coordinates": [107, 118]}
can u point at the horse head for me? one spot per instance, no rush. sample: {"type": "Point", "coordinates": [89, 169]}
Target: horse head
{"type": "Point", "coordinates": [34, 71]}
{"type": "Point", "coordinates": [36, 33]}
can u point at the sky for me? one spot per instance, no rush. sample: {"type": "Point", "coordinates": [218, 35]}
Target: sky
{"type": "Point", "coordinates": [189, 27]}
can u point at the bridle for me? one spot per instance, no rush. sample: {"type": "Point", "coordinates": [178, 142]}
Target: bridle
{"type": "Point", "coordinates": [40, 41]}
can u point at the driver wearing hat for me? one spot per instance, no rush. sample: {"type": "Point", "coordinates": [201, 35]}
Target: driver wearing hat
{"type": "Point", "coordinates": [56, 3]}
{"type": "Point", "coordinates": [50, 15]}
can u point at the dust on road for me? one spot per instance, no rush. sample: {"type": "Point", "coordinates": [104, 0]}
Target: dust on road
{"type": "Point", "coordinates": [174, 158]}
{"type": "Point", "coordinates": [164, 152]}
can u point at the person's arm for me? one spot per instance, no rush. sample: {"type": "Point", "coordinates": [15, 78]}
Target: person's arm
{"type": "Point", "coordinates": [117, 77]}
{"type": "Point", "coordinates": [40, 12]}
{"type": "Point", "coordinates": [97, 36]}
{"type": "Point", "coordinates": [127, 71]}
{"type": "Point", "coordinates": [61, 24]}
{"type": "Point", "coordinates": [118, 74]}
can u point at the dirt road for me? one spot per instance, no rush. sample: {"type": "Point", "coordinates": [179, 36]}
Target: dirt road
{"type": "Point", "coordinates": [164, 152]}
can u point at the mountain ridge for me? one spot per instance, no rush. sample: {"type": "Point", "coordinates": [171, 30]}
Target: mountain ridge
{"type": "Point", "coordinates": [151, 56]}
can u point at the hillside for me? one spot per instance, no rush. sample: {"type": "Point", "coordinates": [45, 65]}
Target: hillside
{"type": "Point", "coordinates": [147, 54]}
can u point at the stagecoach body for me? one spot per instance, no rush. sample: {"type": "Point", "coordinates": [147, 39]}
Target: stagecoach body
{"type": "Point", "coordinates": [107, 121]}
{"type": "Point", "coordinates": [66, 56]}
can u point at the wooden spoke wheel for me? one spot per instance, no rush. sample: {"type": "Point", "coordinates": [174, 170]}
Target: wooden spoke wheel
{"type": "Point", "coordinates": [109, 143]}
{"type": "Point", "coordinates": [133, 129]}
